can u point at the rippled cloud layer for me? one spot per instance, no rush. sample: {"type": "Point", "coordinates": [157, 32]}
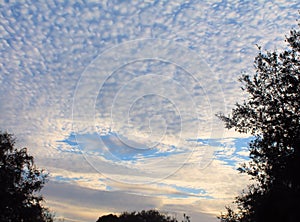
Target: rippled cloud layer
{"type": "Point", "coordinates": [117, 99]}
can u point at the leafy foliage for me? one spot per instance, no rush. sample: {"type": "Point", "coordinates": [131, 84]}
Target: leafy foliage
{"type": "Point", "coordinates": [272, 114]}
{"type": "Point", "coordinates": [143, 216]}
{"type": "Point", "coordinates": [19, 182]}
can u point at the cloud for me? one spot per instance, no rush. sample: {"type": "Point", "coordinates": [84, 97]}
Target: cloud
{"type": "Point", "coordinates": [167, 68]}
{"type": "Point", "coordinates": [96, 198]}
{"type": "Point", "coordinates": [192, 193]}
{"type": "Point", "coordinates": [90, 204]}
{"type": "Point", "coordinates": [67, 201]}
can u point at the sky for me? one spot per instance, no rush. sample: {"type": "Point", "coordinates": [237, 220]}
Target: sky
{"type": "Point", "coordinates": [117, 99]}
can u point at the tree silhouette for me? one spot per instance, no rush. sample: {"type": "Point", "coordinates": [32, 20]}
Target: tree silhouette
{"type": "Point", "coordinates": [143, 216]}
{"type": "Point", "coordinates": [108, 218]}
{"type": "Point", "coordinates": [272, 115]}
{"type": "Point", "coordinates": [20, 180]}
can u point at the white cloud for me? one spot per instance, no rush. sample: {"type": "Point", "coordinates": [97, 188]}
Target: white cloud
{"type": "Point", "coordinates": [46, 48]}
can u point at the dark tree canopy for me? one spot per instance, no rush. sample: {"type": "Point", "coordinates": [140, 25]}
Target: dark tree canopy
{"type": "Point", "coordinates": [143, 216]}
{"type": "Point", "coordinates": [108, 218]}
{"type": "Point", "coordinates": [20, 181]}
{"type": "Point", "coordinates": [272, 115]}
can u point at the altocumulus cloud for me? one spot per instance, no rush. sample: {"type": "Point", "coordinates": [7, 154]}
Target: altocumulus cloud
{"type": "Point", "coordinates": [159, 150]}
